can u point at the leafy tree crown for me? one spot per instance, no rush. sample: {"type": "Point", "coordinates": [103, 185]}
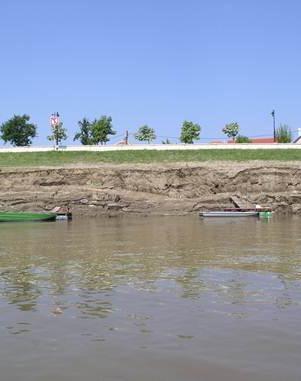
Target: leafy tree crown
{"type": "Point", "coordinates": [231, 130]}
{"type": "Point", "coordinates": [101, 129]}
{"type": "Point", "coordinates": [59, 133]}
{"type": "Point", "coordinates": [145, 134]}
{"type": "Point", "coordinates": [18, 131]}
{"type": "Point", "coordinates": [190, 131]}
{"type": "Point", "coordinates": [85, 132]}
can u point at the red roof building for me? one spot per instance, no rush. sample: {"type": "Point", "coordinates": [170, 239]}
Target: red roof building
{"type": "Point", "coordinates": [262, 140]}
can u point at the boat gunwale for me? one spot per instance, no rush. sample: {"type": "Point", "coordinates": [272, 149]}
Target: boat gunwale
{"type": "Point", "coordinates": [26, 216]}
{"type": "Point", "coordinates": [225, 213]}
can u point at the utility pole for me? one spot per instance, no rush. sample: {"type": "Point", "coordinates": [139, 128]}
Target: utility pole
{"type": "Point", "coordinates": [274, 125]}
{"type": "Point", "coordinates": [126, 139]}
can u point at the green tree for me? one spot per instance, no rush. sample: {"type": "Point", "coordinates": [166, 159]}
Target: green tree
{"type": "Point", "coordinates": [190, 131]}
{"type": "Point", "coordinates": [85, 132]}
{"type": "Point", "coordinates": [242, 139]}
{"type": "Point", "coordinates": [283, 134]}
{"type": "Point", "coordinates": [145, 134]}
{"type": "Point", "coordinates": [101, 129]}
{"type": "Point", "coordinates": [18, 131]}
{"type": "Point", "coordinates": [59, 133]}
{"type": "Point", "coordinates": [231, 130]}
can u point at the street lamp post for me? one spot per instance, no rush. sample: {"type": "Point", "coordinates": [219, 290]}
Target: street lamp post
{"type": "Point", "coordinates": [274, 125]}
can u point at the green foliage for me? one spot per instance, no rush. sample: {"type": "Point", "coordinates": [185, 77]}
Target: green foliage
{"type": "Point", "coordinates": [242, 139]}
{"type": "Point", "coordinates": [145, 134]}
{"type": "Point", "coordinates": [18, 131]}
{"type": "Point", "coordinates": [59, 133]}
{"type": "Point", "coordinates": [85, 132]}
{"type": "Point", "coordinates": [231, 130]}
{"type": "Point", "coordinates": [96, 132]}
{"type": "Point", "coordinates": [190, 131]}
{"type": "Point", "coordinates": [101, 129]}
{"type": "Point", "coordinates": [283, 134]}
{"type": "Point", "coordinates": [167, 141]}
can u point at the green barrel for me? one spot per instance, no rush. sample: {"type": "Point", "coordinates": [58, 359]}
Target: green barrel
{"type": "Point", "coordinates": [266, 214]}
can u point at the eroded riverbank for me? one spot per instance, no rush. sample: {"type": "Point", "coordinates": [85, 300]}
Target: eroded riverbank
{"type": "Point", "coordinates": [152, 188]}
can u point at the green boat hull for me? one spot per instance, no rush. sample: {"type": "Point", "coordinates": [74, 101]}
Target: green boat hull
{"type": "Point", "coordinates": [26, 217]}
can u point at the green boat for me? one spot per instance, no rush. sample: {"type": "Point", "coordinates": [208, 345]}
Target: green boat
{"type": "Point", "coordinates": [26, 217]}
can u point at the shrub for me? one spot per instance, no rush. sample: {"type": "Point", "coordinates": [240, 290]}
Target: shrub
{"type": "Point", "coordinates": [283, 134]}
{"type": "Point", "coordinates": [242, 139]}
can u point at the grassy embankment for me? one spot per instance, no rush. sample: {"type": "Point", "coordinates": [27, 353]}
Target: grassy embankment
{"type": "Point", "coordinates": [33, 159]}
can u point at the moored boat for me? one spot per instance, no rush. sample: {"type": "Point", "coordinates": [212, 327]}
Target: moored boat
{"type": "Point", "coordinates": [225, 213]}
{"type": "Point", "coordinates": [258, 211]}
{"type": "Point", "coordinates": [26, 217]}
{"type": "Point", "coordinates": [62, 213]}
{"type": "Point", "coordinates": [64, 216]}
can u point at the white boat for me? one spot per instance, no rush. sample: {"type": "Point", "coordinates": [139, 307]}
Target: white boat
{"type": "Point", "coordinates": [229, 213]}
{"type": "Point", "coordinates": [62, 213]}
{"type": "Point", "coordinates": [62, 217]}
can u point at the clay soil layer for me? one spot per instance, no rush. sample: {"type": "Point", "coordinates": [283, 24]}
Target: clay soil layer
{"type": "Point", "coordinates": [175, 188]}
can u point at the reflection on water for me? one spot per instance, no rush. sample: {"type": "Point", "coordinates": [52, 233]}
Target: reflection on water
{"type": "Point", "coordinates": [224, 292]}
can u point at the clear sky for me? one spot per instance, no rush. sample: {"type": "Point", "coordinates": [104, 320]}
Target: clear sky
{"type": "Point", "coordinates": [154, 62]}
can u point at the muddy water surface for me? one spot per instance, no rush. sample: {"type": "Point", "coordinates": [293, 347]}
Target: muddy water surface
{"type": "Point", "coordinates": [138, 299]}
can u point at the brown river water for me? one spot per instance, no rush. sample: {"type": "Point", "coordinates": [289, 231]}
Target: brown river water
{"type": "Point", "coordinates": [151, 298]}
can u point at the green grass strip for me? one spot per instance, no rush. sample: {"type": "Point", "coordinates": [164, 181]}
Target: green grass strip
{"type": "Point", "coordinates": [33, 159]}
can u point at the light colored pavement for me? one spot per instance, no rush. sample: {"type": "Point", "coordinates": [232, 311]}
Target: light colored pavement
{"type": "Point", "coordinates": [159, 147]}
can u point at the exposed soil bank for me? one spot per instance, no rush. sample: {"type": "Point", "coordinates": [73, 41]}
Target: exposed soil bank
{"type": "Point", "coordinates": [152, 189]}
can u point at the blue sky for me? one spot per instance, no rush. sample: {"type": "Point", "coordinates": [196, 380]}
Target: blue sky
{"type": "Point", "coordinates": [152, 62]}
